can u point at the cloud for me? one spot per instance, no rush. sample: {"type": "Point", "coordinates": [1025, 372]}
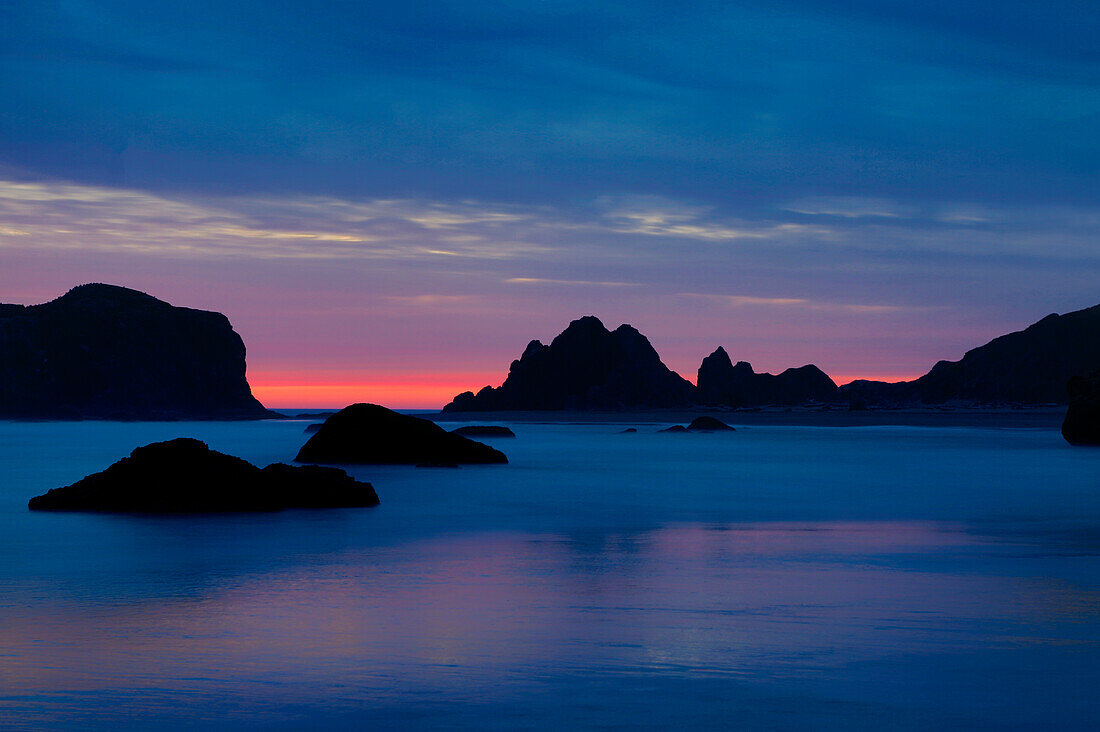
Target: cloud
{"type": "Point", "coordinates": [852, 207]}
{"type": "Point", "coordinates": [545, 281]}
{"type": "Point", "coordinates": [734, 301]}
{"type": "Point", "coordinates": [83, 217]}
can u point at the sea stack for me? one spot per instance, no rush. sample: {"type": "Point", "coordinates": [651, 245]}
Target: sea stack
{"type": "Point", "coordinates": [107, 352]}
{"type": "Point", "coordinates": [371, 434]}
{"type": "Point", "coordinates": [722, 383]}
{"type": "Point", "coordinates": [586, 367]}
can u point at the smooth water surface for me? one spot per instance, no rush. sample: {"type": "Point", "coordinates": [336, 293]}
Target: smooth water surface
{"type": "Point", "coordinates": [777, 577]}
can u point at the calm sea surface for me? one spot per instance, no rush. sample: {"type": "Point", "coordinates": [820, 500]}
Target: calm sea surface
{"type": "Point", "coordinates": [778, 577]}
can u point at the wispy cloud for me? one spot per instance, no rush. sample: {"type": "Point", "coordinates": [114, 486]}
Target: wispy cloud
{"type": "Point", "coordinates": [734, 301]}
{"type": "Point", "coordinates": [546, 281]}
{"type": "Point", "coordinates": [84, 217]}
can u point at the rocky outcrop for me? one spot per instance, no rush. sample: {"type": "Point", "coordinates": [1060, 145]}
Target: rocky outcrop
{"type": "Point", "coordinates": [1031, 366]}
{"type": "Point", "coordinates": [723, 383]}
{"type": "Point", "coordinates": [708, 424]}
{"type": "Point", "coordinates": [483, 430]}
{"type": "Point", "coordinates": [106, 352]}
{"type": "Point", "coordinates": [585, 367]}
{"type": "Point", "coordinates": [1082, 423]}
{"type": "Point", "coordinates": [186, 476]}
{"type": "Point", "coordinates": [370, 434]}
{"type": "Point", "coordinates": [701, 424]}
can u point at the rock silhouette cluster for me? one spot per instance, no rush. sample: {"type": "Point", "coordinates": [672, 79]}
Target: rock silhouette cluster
{"type": "Point", "coordinates": [107, 352]}
{"type": "Point", "coordinates": [370, 434]}
{"type": "Point", "coordinates": [722, 383]}
{"type": "Point", "coordinates": [185, 476]}
{"type": "Point", "coordinates": [588, 367]}
{"type": "Point", "coordinates": [1082, 423]}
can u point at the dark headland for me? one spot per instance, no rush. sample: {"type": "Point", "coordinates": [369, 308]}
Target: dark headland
{"type": "Point", "coordinates": [107, 352]}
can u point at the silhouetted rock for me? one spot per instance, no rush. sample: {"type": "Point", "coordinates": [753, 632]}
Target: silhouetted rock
{"type": "Point", "coordinates": [484, 430]}
{"type": "Point", "coordinates": [106, 352]}
{"type": "Point", "coordinates": [310, 429]}
{"type": "Point", "coordinates": [186, 476]}
{"type": "Point", "coordinates": [723, 383]}
{"type": "Point", "coordinates": [1031, 366]}
{"type": "Point", "coordinates": [585, 367]}
{"type": "Point", "coordinates": [675, 428]}
{"type": "Point", "coordinates": [708, 424]}
{"type": "Point", "coordinates": [368, 433]}
{"type": "Point", "coordinates": [628, 431]}
{"type": "Point", "coordinates": [1082, 423]}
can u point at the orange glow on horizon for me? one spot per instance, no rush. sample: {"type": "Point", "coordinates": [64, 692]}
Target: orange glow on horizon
{"type": "Point", "coordinates": [329, 390]}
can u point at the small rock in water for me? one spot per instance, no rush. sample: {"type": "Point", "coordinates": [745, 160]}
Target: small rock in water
{"type": "Point", "coordinates": [709, 424]}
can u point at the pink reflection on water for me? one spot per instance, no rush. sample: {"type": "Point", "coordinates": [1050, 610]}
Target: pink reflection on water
{"type": "Point", "coordinates": [474, 615]}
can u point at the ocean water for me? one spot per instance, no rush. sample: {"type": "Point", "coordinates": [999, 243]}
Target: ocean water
{"type": "Point", "coordinates": [774, 578]}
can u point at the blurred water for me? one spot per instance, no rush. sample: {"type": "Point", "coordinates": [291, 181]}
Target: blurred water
{"type": "Point", "coordinates": [778, 577]}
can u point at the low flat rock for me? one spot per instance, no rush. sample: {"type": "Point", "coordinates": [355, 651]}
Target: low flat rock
{"type": "Point", "coordinates": [185, 476]}
{"type": "Point", "coordinates": [371, 434]}
{"type": "Point", "coordinates": [483, 430]}
{"type": "Point", "coordinates": [709, 424]}
{"type": "Point", "coordinates": [701, 424]}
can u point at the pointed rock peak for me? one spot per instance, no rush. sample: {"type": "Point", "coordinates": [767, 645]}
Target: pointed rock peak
{"type": "Point", "coordinates": [532, 347]}
{"type": "Point", "coordinates": [719, 358]}
{"type": "Point", "coordinates": [582, 330]}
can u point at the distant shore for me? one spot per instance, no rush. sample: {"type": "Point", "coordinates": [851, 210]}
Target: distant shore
{"type": "Point", "coordinates": [1045, 417]}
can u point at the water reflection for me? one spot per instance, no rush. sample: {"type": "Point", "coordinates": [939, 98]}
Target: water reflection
{"type": "Point", "coordinates": [499, 615]}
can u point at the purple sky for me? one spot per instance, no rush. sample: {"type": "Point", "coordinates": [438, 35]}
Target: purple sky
{"type": "Point", "coordinates": [389, 203]}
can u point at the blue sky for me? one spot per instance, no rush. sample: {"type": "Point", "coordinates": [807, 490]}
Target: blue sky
{"type": "Point", "coordinates": [868, 185]}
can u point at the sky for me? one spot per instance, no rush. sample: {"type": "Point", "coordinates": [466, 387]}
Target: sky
{"type": "Point", "coordinates": [389, 200]}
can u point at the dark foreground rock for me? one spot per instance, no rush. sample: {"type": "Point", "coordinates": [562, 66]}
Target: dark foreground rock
{"type": "Point", "coordinates": [370, 434]}
{"type": "Point", "coordinates": [186, 476]}
{"type": "Point", "coordinates": [106, 352]}
{"type": "Point", "coordinates": [675, 428]}
{"type": "Point", "coordinates": [483, 430]}
{"type": "Point", "coordinates": [312, 428]}
{"type": "Point", "coordinates": [586, 367]}
{"type": "Point", "coordinates": [1082, 423]}
{"type": "Point", "coordinates": [720, 382]}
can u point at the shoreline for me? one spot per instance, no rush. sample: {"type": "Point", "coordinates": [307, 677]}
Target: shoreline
{"type": "Point", "coordinates": [1017, 418]}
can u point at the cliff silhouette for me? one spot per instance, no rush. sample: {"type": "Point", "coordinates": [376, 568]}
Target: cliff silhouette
{"type": "Point", "coordinates": [107, 352]}
{"type": "Point", "coordinates": [1031, 366]}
